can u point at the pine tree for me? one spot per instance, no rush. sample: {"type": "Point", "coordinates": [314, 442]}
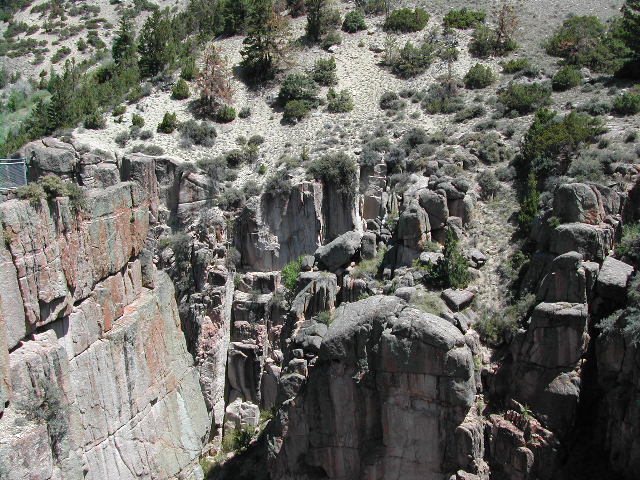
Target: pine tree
{"type": "Point", "coordinates": [530, 204]}
{"type": "Point", "coordinates": [124, 44]}
{"type": "Point", "coordinates": [156, 44]}
{"type": "Point", "coordinates": [266, 43]}
{"type": "Point", "coordinates": [452, 270]}
{"type": "Point", "coordinates": [315, 12]}
{"type": "Point", "coordinates": [631, 26]}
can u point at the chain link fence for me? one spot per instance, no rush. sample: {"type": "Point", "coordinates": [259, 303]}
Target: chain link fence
{"type": "Point", "coordinates": [13, 174]}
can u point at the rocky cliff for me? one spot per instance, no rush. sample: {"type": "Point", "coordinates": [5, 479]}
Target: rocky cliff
{"type": "Point", "coordinates": [96, 378]}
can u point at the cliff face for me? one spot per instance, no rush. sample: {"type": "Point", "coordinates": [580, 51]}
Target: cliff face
{"type": "Point", "coordinates": [96, 378]}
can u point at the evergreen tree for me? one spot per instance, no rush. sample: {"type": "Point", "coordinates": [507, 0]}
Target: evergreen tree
{"type": "Point", "coordinates": [265, 45]}
{"type": "Point", "coordinates": [452, 270]}
{"type": "Point", "coordinates": [124, 44]}
{"type": "Point", "coordinates": [156, 44]}
{"type": "Point", "coordinates": [315, 12]}
{"type": "Point", "coordinates": [631, 32]}
{"type": "Point", "coordinates": [530, 204]}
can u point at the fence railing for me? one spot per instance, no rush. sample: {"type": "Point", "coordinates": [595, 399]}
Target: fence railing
{"type": "Point", "coordinates": [13, 173]}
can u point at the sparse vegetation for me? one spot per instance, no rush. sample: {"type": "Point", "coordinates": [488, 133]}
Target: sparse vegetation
{"type": "Point", "coordinates": [336, 170]}
{"type": "Point", "coordinates": [463, 18]}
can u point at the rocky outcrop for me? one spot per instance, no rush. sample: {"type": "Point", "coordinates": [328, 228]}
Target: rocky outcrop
{"type": "Point", "coordinates": [383, 400]}
{"type": "Point", "coordinates": [339, 252]}
{"type": "Point", "coordinates": [100, 383]}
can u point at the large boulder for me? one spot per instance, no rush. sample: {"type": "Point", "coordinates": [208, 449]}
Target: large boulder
{"type": "Point", "coordinates": [388, 390]}
{"type": "Point", "coordinates": [566, 282]}
{"type": "Point", "coordinates": [592, 241]}
{"type": "Point", "coordinates": [339, 252]}
{"type": "Point", "coordinates": [578, 202]}
{"type": "Point", "coordinates": [613, 279]}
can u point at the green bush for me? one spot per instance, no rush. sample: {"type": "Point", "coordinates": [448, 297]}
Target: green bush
{"type": "Point", "coordinates": [391, 101]}
{"type": "Point", "coordinates": [516, 65]}
{"type": "Point", "coordinates": [629, 245]}
{"type": "Point", "coordinates": [119, 110]}
{"type": "Point", "coordinates": [137, 120]}
{"type": "Point", "coordinates": [452, 270]}
{"type": "Point", "coordinates": [341, 102]}
{"type": "Point", "coordinates": [324, 72]}
{"type": "Point", "coordinates": [332, 38]}
{"type": "Point", "coordinates": [297, 86]}
{"type": "Point", "coordinates": [32, 192]}
{"type": "Point", "coordinates": [296, 110]}
{"type": "Point", "coordinates": [479, 76]}
{"type": "Point", "coordinates": [550, 142]}
{"type": "Point", "coordinates": [168, 124]}
{"type": "Point", "coordinates": [525, 98]}
{"type": "Point", "coordinates": [336, 170]}
{"type": "Point", "coordinates": [226, 114]}
{"type": "Point", "coordinates": [245, 112]}
{"type": "Point", "coordinates": [325, 317]}
{"type": "Point", "coordinates": [443, 97]}
{"type": "Point", "coordinates": [189, 70]}
{"type": "Point", "coordinates": [627, 103]}
{"type": "Point", "coordinates": [354, 22]}
{"type": "Point", "coordinates": [52, 186]}
{"type": "Point", "coordinates": [289, 274]}
{"type": "Point", "coordinates": [470, 113]}
{"type": "Point", "coordinates": [180, 90]}
{"type": "Point", "coordinates": [566, 78]}
{"type": "Point", "coordinates": [277, 185]}
{"type": "Point", "coordinates": [95, 121]}
{"type": "Point", "coordinates": [486, 42]}
{"type": "Point", "coordinates": [463, 18]}
{"type": "Point", "coordinates": [411, 60]}
{"type": "Point", "coordinates": [404, 20]}
{"type": "Point", "coordinates": [488, 183]}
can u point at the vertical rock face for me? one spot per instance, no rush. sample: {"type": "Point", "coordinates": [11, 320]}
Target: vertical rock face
{"type": "Point", "coordinates": [389, 388]}
{"type": "Point", "coordinates": [98, 380]}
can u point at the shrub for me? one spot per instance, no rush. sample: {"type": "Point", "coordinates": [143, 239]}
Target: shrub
{"type": "Point", "coordinates": [289, 274]}
{"type": "Point", "coordinates": [469, 113]}
{"type": "Point", "coordinates": [452, 270]}
{"type": "Point", "coordinates": [180, 90]}
{"type": "Point", "coordinates": [488, 183]}
{"type": "Point", "coordinates": [237, 440]}
{"type": "Point", "coordinates": [151, 150]}
{"type": "Point", "coordinates": [339, 102]}
{"type": "Point", "coordinates": [330, 39]}
{"type": "Point", "coordinates": [404, 20]}
{"type": "Point", "coordinates": [495, 328]}
{"type": "Point", "coordinates": [492, 150]}
{"type": "Point", "coordinates": [325, 317]}
{"type": "Point", "coordinates": [629, 245]}
{"type": "Point", "coordinates": [277, 185]}
{"type": "Point", "coordinates": [463, 18]}
{"type": "Point", "coordinates": [627, 103]}
{"type": "Point", "coordinates": [516, 65]}
{"type": "Point", "coordinates": [479, 76]}
{"type": "Point", "coordinates": [391, 101]}
{"type": "Point", "coordinates": [200, 133]}
{"type": "Point", "coordinates": [595, 107]}
{"type": "Point", "coordinates": [146, 135]}
{"type": "Point", "coordinates": [566, 78]}
{"type": "Point", "coordinates": [255, 140]}
{"type": "Point", "coordinates": [587, 167]}
{"type": "Point", "coordinates": [486, 42]}
{"type": "Point", "coordinates": [137, 120]}
{"type": "Point", "coordinates": [550, 142]}
{"type": "Point", "coordinates": [122, 138]}
{"type": "Point", "coordinates": [226, 114]}
{"type": "Point", "coordinates": [354, 22]}
{"type": "Point", "coordinates": [296, 110]}
{"type": "Point", "coordinates": [245, 112]}
{"type": "Point", "coordinates": [32, 192]}
{"type": "Point", "coordinates": [297, 86]}
{"type": "Point", "coordinates": [369, 268]}
{"type": "Point", "coordinates": [119, 110]}
{"type": "Point", "coordinates": [95, 121]}
{"type": "Point", "coordinates": [189, 69]}
{"type": "Point", "coordinates": [231, 198]}
{"type": "Point", "coordinates": [324, 72]}
{"type": "Point", "coordinates": [525, 98]}
{"type": "Point", "coordinates": [336, 170]}
{"type": "Point", "coordinates": [411, 60]}
{"type": "Point", "coordinates": [443, 97]}
{"type": "Point", "coordinates": [168, 124]}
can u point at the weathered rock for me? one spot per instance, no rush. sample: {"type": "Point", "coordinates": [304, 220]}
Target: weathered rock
{"type": "Point", "coordinates": [436, 207]}
{"type": "Point", "coordinates": [368, 246]}
{"type": "Point", "coordinates": [578, 202]}
{"type": "Point", "coordinates": [545, 361]}
{"type": "Point", "coordinates": [592, 241]}
{"type": "Point", "coordinates": [339, 252]}
{"type": "Point", "coordinates": [566, 282]}
{"type": "Point", "coordinates": [457, 299]}
{"type": "Point", "coordinates": [613, 279]}
{"type": "Point", "coordinates": [50, 156]}
{"type": "Point", "coordinates": [413, 391]}
{"type": "Point", "coordinates": [122, 403]}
